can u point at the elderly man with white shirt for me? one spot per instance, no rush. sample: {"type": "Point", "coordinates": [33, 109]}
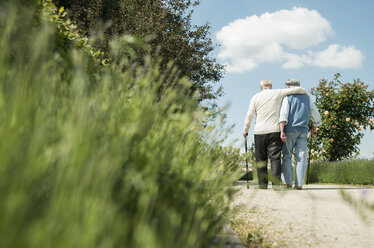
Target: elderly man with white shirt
{"type": "Point", "coordinates": [294, 118]}
{"type": "Point", "coordinates": [266, 106]}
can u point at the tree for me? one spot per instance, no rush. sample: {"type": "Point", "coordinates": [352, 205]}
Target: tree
{"type": "Point", "coordinates": [166, 25]}
{"type": "Point", "coordinates": [346, 110]}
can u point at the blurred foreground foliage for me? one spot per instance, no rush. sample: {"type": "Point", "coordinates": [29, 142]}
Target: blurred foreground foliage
{"type": "Point", "coordinates": [100, 156]}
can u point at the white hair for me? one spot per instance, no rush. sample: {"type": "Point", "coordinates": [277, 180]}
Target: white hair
{"type": "Point", "coordinates": [265, 82]}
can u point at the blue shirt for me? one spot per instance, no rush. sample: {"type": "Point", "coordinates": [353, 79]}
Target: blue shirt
{"type": "Point", "coordinates": [296, 111]}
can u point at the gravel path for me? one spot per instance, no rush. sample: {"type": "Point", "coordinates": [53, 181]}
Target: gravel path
{"type": "Point", "coordinates": [316, 216]}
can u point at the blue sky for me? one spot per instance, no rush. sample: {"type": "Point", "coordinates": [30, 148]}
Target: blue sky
{"type": "Point", "coordinates": [280, 39]}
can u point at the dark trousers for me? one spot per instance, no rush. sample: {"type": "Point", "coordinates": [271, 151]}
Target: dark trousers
{"type": "Point", "coordinates": [268, 146]}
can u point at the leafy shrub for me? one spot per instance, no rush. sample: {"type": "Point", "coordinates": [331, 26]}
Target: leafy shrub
{"type": "Point", "coordinates": [120, 163]}
{"type": "Point", "coordinates": [346, 110]}
{"type": "Point", "coordinates": [346, 172]}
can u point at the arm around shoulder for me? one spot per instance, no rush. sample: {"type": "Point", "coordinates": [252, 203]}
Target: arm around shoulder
{"type": "Point", "coordinates": [294, 90]}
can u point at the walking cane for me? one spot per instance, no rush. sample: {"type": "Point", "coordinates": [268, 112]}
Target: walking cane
{"type": "Point", "coordinates": [310, 152]}
{"type": "Point", "coordinates": [246, 162]}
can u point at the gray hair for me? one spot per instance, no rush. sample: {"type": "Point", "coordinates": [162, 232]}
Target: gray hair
{"type": "Point", "coordinates": [293, 82]}
{"type": "Point", "coordinates": [265, 82]}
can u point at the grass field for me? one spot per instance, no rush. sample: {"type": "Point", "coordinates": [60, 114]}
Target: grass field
{"type": "Point", "coordinates": [360, 172]}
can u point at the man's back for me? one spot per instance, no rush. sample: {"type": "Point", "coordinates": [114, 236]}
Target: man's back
{"type": "Point", "coordinates": [299, 114]}
{"type": "Point", "coordinates": [267, 105]}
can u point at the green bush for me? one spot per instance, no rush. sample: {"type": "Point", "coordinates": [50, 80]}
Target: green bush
{"type": "Point", "coordinates": [346, 172]}
{"type": "Point", "coordinates": [120, 163]}
{"type": "Point", "coordinates": [346, 110]}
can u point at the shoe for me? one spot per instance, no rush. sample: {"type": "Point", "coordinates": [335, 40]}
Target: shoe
{"type": "Point", "coordinates": [287, 186]}
{"type": "Point", "coordinates": [298, 187]}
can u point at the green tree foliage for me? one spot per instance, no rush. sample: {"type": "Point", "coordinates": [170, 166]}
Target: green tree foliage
{"type": "Point", "coordinates": [346, 110]}
{"type": "Point", "coordinates": [113, 164]}
{"type": "Point", "coordinates": [67, 36]}
{"type": "Point", "coordinates": [166, 25]}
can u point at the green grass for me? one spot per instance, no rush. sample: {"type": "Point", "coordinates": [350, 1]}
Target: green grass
{"type": "Point", "coordinates": [359, 172]}
{"type": "Point", "coordinates": [102, 158]}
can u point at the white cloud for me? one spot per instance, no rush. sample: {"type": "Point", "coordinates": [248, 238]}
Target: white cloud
{"type": "Point", "coordinates": [335, 56]}
{"type": "Point", "coordinates": [279, 37]}
{"type": "Point", "coordinates": [241, 65]}
{"type": "Point", "coordinates": [294, 61]}
{"type": "Point", "coordinates": [339, 57]}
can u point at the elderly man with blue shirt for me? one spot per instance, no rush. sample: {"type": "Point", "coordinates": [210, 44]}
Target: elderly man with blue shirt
{"type": "Point", "coordinates": [293, 122]}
